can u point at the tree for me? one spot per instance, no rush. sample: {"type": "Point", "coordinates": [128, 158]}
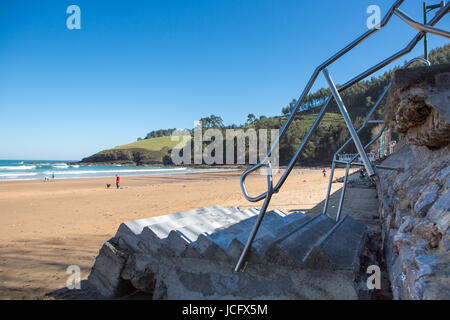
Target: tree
{"type": "Point", "coordinates": [251, 118]}
{"type": "Point", "coordinates": [212, 122]}
{"type": "Point", "coordinates": [332, 131]}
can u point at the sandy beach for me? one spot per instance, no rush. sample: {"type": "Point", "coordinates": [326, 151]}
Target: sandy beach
{"type": "Point", "coordinates": [47, 226]}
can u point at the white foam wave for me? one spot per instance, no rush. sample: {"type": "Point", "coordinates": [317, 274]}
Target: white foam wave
{"type": "Point", "coordinates": [18, 174]}
{"type": "Point", "coordinates": [25, 167]}
{"type": "Point", "coordinates": [60, 166]}
{"type": "Point", "coordinates": [114, 171]}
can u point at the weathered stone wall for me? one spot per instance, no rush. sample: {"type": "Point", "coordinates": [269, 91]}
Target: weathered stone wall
{"type": "Point", "coordinates": [415, 204]}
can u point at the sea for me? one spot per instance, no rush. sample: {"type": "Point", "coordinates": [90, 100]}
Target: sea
{"type": "Point", "coordinates": [41, 169]}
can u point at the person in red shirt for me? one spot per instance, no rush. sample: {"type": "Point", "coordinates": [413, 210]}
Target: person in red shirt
{"type": "Point", "coordinates": [117, 181]}
{"type": "Point", "coordinates": [324, 172]}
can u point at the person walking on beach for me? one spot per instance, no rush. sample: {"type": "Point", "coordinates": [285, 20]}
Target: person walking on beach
{"type": "Point", "coordinates": [53, 176]}
{"type": "Point", "coordinates": [324, 173]}
{"type": "Point", "coordinates": [117, 181]}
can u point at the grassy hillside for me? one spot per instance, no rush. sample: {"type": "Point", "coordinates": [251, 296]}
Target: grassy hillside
{"type": "Point", "coordinates": [154, 144]}
{"type": "Point", "coordinates": [158, 150]}
{"type": "Point", "coordinates": [329, 119]}
{"type": "Point", "coordinates": [328, 136]}
{"type": "Point", "coordinates": [148, 151]}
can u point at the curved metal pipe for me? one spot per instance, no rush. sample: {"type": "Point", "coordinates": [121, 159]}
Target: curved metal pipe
{"type": "Point", "coordinates": [365, 74]}
{"type": "Point", "coordinates": [240, 264]}
{"type": "Point", "coordinates": [334, 159]}
{"type": "Point", "coordinates": [399, 54]}
{"type": "Point", "coordinates": [348, 122]}
{"type": "Point", "coordinates": [366, 120]}
{"type": "Point", "coordinates": [305, 92]}
{"type": "Point", "coordinates": [418, 59]}
{"type": "Point", "coordinates": [332, 59]}
{"type": "Point", "coordinates": [419, 26]}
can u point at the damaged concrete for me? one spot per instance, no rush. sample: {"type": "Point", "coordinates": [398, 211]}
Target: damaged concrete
{"type": "Point", "coordinates": [415, 204]}
{"type": "Point", "coordinates": [188, 255]}
{"type": "Point", "coordinates": [418, 105]}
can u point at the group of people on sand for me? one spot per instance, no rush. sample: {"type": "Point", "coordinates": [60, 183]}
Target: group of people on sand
{"type": "Point", "coordinates": [47, 178]}
{"type": "Point", "coordinates": [117, 182]}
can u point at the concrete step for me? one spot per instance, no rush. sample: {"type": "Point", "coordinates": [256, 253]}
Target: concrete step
{"type": "Point", "coordinates": [208, 222]}
{"type": "Point", "coordinates": [287, 226]}
{"type": "Point", "coordinates": [137, 226]}
{"type": "Point", "coordinates": [275, 225]}
{"type": "Point", "coordinates": [301, 242]}
{"type": "Point", "coordinates": [188, 225]}
{"type": "Point", "coordinates": [248, 213]}
{"type": "Point", "coordinates": [342, 245]}
{"type": "Point", "coordinates": [213, 245]}
{"type": "Point", "coordinates": [192, 254]}
{"type": "Point", "coordinates": [224, 236]}
{"type": "Point", "coordinates": [271, 222]}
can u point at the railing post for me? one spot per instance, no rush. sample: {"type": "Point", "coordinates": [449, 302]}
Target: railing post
{"type": "Point", "coordinates": [262, 212]}
{"type": "Point", "coordinates": [348, 121]}
{"type": "Point", "coordinates": [425, 37]}
{"type": "Point", "coordinates": [344, 187]}
{"type": "Point", "coordinates": [330, 182]}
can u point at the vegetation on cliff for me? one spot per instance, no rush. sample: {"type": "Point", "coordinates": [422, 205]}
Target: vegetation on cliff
{"type": "Point", "coordinates": [330, 134]}
{"type": "Point", "coordinates": [147, 151]}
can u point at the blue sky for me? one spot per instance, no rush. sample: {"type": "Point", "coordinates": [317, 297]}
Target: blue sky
{"type": "Point", "coordinates": [136, 66]}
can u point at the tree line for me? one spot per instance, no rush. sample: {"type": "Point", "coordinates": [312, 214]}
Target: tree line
{"type": "Point", "coordinates": [332, 131]}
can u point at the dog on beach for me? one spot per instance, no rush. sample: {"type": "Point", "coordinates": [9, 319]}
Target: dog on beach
{"type": "Point", "coordinates": [108, 185]}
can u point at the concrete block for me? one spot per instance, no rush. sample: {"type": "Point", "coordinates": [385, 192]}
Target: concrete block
{"type": "Point", "coordinates": [105, 275]}
{"type": "Point", "coordinates": [301, 242]}
{"type": "Point", "coordinates": [341, 246]}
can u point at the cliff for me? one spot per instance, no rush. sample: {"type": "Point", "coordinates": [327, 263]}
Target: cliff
{"type": "Point", "coordinates": [415, 204]}
{"type": "Point", "coordinates": [147, 151]}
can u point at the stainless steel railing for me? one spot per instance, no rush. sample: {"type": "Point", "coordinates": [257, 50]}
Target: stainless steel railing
{"type": "Point", "coordinates": [350, 162]}
{"type": "Point", "coordinates": [419, 26]}
{"type": "Point", "coordinates": [310, 83]}
{"type": "Point", "coordinates": [393, 10]}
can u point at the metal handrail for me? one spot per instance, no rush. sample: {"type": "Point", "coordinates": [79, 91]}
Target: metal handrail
{"type": "Point", "coordinates": [382, 167]}
{"type": "Point", "coordinates": [347, 169]}
{"type": "Point", "coordinates": [366, 120]}
{"type": "Point", "coordinates": [400, 53]}
{"type": "Point", "coordinates": [350, 162]}
{"type": "Point", "coordinates": [348, 122]}
{"type": "Point", "coordinates": [335, 93]}
{"type": "Point", "coordinates": [262, 212]}
{"type": "Point", "coordinates": [419, 26]}
{"type": "Point", "coordinates": [308, 87]}
{"type": "Point", "coordinates": [310, 83]}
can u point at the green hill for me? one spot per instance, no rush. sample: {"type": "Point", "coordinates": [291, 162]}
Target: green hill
{"type": "Point", "coordinates": [330, 134]}
{"type": "Point", "coordinates": [153, 144]}
{"type": "Point", "coordinates": [147, 151]}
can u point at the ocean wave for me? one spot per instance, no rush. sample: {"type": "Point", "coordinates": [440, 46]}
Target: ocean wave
{"type": "Point", "coordinates": [18, 174]}
{"type": "Point", "coordinates": [113, 171]}
{"type": "Point", "coordinates": [74, 173]}
{"type": "Point", "coordinates": [60, 166]}
{"type": "Point", "coordinates": [24, 167]}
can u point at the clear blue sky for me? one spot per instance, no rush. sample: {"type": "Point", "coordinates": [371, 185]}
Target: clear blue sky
{"type": "Point", "coordinates": [136, 66]}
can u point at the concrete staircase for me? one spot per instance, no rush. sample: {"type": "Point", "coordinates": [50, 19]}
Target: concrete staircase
{"type": "Point", "coordinates": [191, 255]}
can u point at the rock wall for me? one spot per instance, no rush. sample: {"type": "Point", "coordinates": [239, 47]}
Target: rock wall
{"type": "Point", "coordinates": [415, 204]}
